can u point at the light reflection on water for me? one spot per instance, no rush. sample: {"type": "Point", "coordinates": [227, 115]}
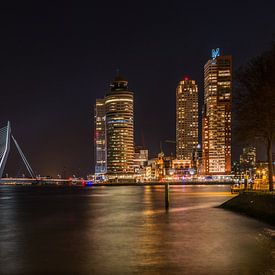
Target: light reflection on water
{"type": "Point", "coordinates": [118, 230]}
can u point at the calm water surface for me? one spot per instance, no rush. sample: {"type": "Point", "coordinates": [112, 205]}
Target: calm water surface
{"type": "Point", "coordinates": [118, 230]}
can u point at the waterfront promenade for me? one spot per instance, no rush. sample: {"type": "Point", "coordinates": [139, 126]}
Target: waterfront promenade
{"type": "Point", "coordinates": [82, 182]}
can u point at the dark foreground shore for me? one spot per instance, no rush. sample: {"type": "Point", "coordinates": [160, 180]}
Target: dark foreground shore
{"type": "Point", "coordinates": [259, 205]}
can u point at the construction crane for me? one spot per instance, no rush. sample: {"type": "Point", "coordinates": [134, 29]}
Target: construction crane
{"type": "Point", "coordinates": [170, 141]}
{"type": "Point", "coordinates": [165, 141]}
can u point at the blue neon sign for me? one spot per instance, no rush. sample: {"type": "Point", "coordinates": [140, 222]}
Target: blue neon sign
{"type": "Point", "coordinates": [215, 53]}
{"type": "Point", "coordinates": [118, 121]}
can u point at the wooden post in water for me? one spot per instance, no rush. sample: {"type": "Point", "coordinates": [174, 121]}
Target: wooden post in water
{"type": "Point", "coordinates": [166, 195]}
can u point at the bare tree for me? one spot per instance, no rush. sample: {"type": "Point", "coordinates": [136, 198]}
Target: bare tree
{"type": "Point", "coordinates": [255, 102]}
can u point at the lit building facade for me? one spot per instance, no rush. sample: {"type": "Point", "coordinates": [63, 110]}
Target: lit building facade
{"type": "Point", "coordinates": [119, 111]}
{"type": "Point", "coordinates": [248, 157]}
{"type": "Point", "coordinates": [186, 119]}
{"type": "Point", "coordinates": [245, 168]}
{"type": "Point", "coordinates": [100, 138]}
{"type": "Point", "coordinates": [216, 122]}
{"type": "Point", "coordinates": [140, 163]}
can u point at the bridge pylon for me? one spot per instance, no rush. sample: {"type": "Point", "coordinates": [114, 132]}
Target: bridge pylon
{"type": "Point", "coordinates": [5, 139]}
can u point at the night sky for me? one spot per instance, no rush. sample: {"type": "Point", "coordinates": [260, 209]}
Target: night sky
{"type": "Point", "coordinates": [57, 58]}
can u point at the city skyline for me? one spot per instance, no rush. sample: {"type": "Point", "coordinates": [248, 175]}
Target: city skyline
{"type": "Point", "coordinates": [137, 137]}
{"type": "Point", "coordinates": [56, 61]}
{"type": "Point", "coordinates": [114, 129]}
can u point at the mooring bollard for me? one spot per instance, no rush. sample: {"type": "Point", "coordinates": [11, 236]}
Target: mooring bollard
{"type": "Point", "coordinates": [166, 195]}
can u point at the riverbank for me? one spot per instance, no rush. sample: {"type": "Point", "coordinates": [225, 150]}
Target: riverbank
{"type": "Point", "coordinates": [89, 183]}
{"type": "Point", "coordinates": [259, 205]}
{"type": "Point", "coordinates": [163, 183]}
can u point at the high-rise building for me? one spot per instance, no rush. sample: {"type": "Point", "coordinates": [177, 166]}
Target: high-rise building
{"type": "Point", "coordinates": [100, 138]}
{"type": "Point", "coordinates": [246, 166]}
{"type": "Point", "coordinates": [186, 119]}
{"type": "Point", "coordinates": [248, 157]}
{"type": "Point", "coordinates": [216, 123]}
{"type": "Point", "coordinates": [119, 108]}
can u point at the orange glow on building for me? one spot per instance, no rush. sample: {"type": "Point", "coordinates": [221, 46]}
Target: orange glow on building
{"type": "Point", "coordinates": [119, 106]}
{"type": "Point", "coordinates": [186, 119]}
{"type": "Point", "coordinates": [216, 123]}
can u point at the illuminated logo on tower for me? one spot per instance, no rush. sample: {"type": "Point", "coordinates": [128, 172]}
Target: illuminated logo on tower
{"type": "Point", "coordinates": [215, 53]}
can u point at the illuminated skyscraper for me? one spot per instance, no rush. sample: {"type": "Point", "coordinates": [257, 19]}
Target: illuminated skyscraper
{"type": "Point", "coordinates": [100, 138]}
{"type": "Point", "coordinates": [186, 120]}
{"type": "Point", "coordinates": [119, 110]}
{"type": "Point", "coordinates": [216, 123]}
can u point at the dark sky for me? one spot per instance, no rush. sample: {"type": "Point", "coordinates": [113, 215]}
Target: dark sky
{"type": "Point", "coordinates": [57, 58]}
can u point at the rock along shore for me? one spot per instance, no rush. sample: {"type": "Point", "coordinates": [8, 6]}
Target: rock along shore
{"type": "Point", "coordinates": [259, 205]}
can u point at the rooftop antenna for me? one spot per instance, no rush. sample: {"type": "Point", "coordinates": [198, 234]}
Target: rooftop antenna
{"type": "Point", "coordinates": [117, 72]}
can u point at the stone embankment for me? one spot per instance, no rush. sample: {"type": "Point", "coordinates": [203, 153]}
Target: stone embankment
{"type": "Point", "coordinates": [259, 205]}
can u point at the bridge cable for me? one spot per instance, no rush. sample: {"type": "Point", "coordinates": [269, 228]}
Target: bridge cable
{"type": "Point", "coordinates": [24, 158]}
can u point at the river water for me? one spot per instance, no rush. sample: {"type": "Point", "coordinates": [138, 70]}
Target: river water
{"type": "Point", "coordinates": [122, 230]}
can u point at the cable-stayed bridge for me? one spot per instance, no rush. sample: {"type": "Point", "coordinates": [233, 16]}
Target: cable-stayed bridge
{"type": "Point", "coordinates": [6, 138]}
